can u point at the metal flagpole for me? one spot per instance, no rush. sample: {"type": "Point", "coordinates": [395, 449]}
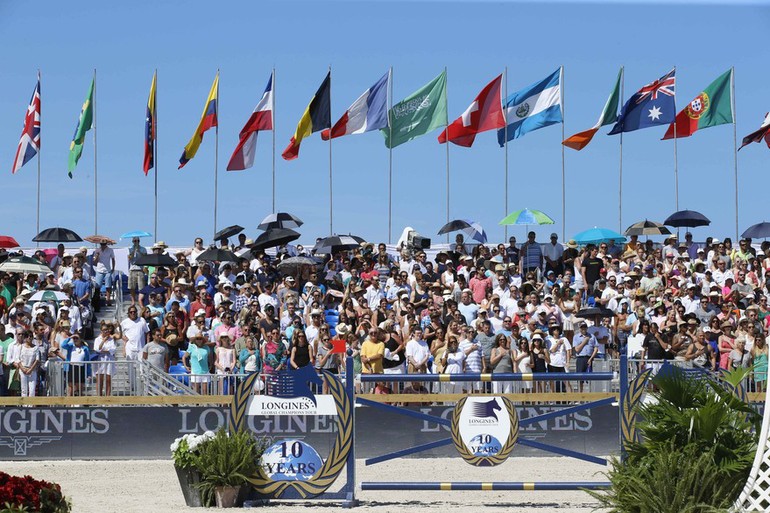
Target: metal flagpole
{"type": "Point", "coordinates": [446, 128]}
{"type": "Point", "coordinates": [505, 118]}
{"type": "Point", "coordinates": [676, 166]}
{"type": "Point", "coordinates": [155, 149]}
{"type": "Point", "coordinates": [272, 116]}
{"type": "Point", "coordinates": [216, 159]}
{"type": "Point", "coordinates": [96, 189]}
{"type": "Point", "coordinates": [563, 184]}
{"type": "Point", "coordinates": [620, 174]}
{"type": "Point", "coordinates": [390, 160]}
{"type": "Point", "coordinates": [735, 146]}
{"type": "Point", "coordinates": [331, 197]}
{"type": "Point", "coordinates": [39, 144]}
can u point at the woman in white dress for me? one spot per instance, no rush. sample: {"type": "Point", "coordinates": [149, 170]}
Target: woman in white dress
{"type": "Point", "coordinates": [104, 347]}
{"type": "Point", "coordinates": [453, 361]}
{"type": "Point", "coordinates": [523, 361]}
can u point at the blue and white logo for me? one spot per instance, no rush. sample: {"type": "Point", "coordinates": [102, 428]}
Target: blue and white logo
{"type": "Point", "coordinates": [484, 445]}
{"type": "Point", "coordinates": [290, 460]}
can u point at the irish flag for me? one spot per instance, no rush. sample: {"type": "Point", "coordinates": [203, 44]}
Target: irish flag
{"type": "Point", "coordinates": [712, 107]}
{"type": "Point", "coordinates": [609, 115]}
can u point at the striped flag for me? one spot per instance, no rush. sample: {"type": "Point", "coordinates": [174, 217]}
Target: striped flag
{"type": "Point", "coordinates": [260, 119]}
{"type": "Point", "coordinates": [316, 117]}
{"type": "Point", "coordinates": [368, 112]}
{"type": "Point", "coordinates": [149, 129]}
{"type": "Point", "coordinates": [608, 116]}
{"type": "Point", "coordinates": [534, 107]}
{"type": "Point", "coordinates": [208, 120]}
{"type": "Point", "coordinates": [29, 144]}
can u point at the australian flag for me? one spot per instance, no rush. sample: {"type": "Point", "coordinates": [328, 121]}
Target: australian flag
{"type": "Point", "coordinates": [29, 144]}
{"type": "Point", "coordinates": [653, 105]}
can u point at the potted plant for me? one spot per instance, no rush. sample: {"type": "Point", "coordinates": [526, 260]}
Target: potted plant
{"type": "Point", "coordinates": [225, 462]}
{"type": "Point", "coordinates": [183, 451]}
{"type": "Point", "coordinates": [20, 494]}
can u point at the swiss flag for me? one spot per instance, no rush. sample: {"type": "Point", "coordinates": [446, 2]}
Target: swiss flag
{"type": "Point", "coordinates": [485, 113]}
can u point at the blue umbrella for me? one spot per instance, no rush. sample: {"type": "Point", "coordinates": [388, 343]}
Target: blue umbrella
{"type": "Point", "coordinates": [597, 235]}
{"type": "Point", "coordinates": [137, 233]}
{"type": "Point", "coordinates": [470, 228]}
{"type": "Point", "coordinates": [687, 218]}
{"type": "Point", "coordinates": [757, 231]}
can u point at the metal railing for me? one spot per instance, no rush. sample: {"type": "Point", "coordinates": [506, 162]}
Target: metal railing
{"type": "Point", "coordinates": [157, 382]}
{"type": "Point", "coordinates": [93, 378]}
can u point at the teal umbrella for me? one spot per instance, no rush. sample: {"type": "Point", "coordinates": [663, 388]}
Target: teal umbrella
{"type": "Point", "coordinates": [596, 235]}
{"type": "Point", "coordinates": [527, 217]}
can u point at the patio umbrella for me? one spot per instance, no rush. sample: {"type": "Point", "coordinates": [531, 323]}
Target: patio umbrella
{"type": "Point", "coordinates": [335, 243]}
{"type": "Point", "coordinates": [135, 233]}
{"type": "Point", "coordinates": [217, 255]}
{"type": "Point", "coordinates": [226, 233]}
{"type": "Point", "coordinates": [8, 242]}
{"type": "Point", "coordinates": [98, 239]}
{"type": "Point", "coordinates": [526, 217]}
{"type": "Point", "coordinates": [597, 235]}
{"type": "Point", "coordinates": [470, 228]}
{"type": "Point", "coordinates": [757, 231]}
{"type": "Point", "coordinates": [280, 220]}
{"type": "Point", "coordinates": [293, 265]}
{"type": "Point", "coordinates": [647, 228]}
{"type": "Point", "coordinates": [24, 264]}
{"type": "Point", "coordinates": [156, 260]}
{"type": "Point", "coordinates": [49, 295]}
{"type": "Point", "coordinates": [274, 237]}
{"type": "Point", "coordinates": [593, 311]}
{"type": "Point", "coordinates": [356, 238]}
{"type": "Point", "coordinates": [57, 234]}
{"type": "Point", "coordinates": [687, 218]}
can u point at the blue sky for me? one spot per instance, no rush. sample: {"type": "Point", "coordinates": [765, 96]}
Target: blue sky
{"type": "Point", "coordinates": [188, 41]}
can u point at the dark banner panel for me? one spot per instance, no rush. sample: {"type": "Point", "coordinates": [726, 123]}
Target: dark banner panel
{"type": "Point", "coordinates": [147, 432]}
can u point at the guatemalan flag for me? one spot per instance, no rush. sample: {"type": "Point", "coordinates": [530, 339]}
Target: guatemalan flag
{"type": "Point", "coordinates": [533, 107]}
{"type": "Point", "coordinates": [261, 119]}
{"type": "Point", "coordinates": [368, 112]}
{"type": "Point", "coordinates": [29, 144]}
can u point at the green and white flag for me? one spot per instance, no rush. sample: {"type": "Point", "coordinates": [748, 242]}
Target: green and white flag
{"type": "Point", "coordinates": [608, 116]}
{"type": "Point", "coordinates": [84, 125]}
{"type": "Point", "coordinates": [419, 113]}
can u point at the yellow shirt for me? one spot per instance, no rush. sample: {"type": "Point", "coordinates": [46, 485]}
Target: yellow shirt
{"type": "Point", "coordinates": [370, 349]}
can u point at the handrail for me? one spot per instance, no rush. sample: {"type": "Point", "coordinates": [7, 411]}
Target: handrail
{"type": "Point", "coordinates": [155, 382]}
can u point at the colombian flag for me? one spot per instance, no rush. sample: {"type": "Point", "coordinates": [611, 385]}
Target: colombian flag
{"type": "Point", "coordinates": [208, 120]}
{"type": "Point", "coordinates": [149, 129]}
{"type": "Point", "coordinates": [317, 116]}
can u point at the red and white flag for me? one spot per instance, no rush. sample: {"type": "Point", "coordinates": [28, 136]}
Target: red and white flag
{"type": "Point", "coordinates": [261, 119]}
{"type": "Point", "coordinates": [29, 144]}
{"type": "Point", "coordinates": [485, 113]}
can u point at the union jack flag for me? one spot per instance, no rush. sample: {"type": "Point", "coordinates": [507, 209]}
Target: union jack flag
{"type": "Point", "coordinates": [29, 144]}
{"type": "Point", "coordinates": [664, 85]}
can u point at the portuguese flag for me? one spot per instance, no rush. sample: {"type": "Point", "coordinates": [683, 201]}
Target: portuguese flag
{"type": "Point", "coordinates": [712, 107]}
{"type": "Point", "coordinates": [609, 115]}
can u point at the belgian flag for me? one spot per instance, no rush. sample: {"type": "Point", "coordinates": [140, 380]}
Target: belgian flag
{"type": "Point", "coordinates": [317, 117]}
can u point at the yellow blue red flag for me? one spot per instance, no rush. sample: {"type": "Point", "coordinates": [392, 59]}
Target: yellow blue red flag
{"type": "Point", "coordinates": [208, 120]}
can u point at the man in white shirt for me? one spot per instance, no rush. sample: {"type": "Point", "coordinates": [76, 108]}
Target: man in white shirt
{"type": "Point", "coordinates": [135, 331]}
{"type": "Point", "coordinates": [373, 294]}
{"type": "Point", "coordinates": [417, 353]}
{"type": "Point", "coordinates": [469, 309]}
{"type": "Point", "coordinates": [552, 253]}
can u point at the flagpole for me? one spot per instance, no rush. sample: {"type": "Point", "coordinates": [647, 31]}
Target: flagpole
{"type": "Point", "coordinates": [39, 144]}
{"type": "Point", "coordinates": [620, 174]}
{"type": "Point", "coordinates": [446, 131]}
{"type": "Point", "coordinates": [505, 111]}
{"type": "Point", "coordinates": [735, 146]}
{"type": "Point", "coordinates": [155, 149]}
{"type": "Point", "coordinates": [563, 184]}
{"type": "Point", "coordinates": [676, 167]}
{"type": "Point", "coordinates": [216, 158]}
{"type": "Point", "coordinates": [272, 115]}
{"type": "Point", "coordinates": [390, 160]}
{"type": "Point", "coordinates": [331, 198]}
{"type": "Point", "coordinates": [96, 189]}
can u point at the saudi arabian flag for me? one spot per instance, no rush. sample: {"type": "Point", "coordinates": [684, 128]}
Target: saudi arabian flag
{"type": "Point", "coordinates": [608, 116]}
{"type": "Point", "coordinates": [423, 111]}
{"type": "Point", "coordinates": [84, 125]}
{"type": "Point", "coordinates": [712, 107]}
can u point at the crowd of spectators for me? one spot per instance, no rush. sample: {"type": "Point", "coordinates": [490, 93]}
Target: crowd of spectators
{"type": "Point", "coordinates": [526, 307]}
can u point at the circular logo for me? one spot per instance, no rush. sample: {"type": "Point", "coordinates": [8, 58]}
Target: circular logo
{"type": "Point", "coordinates": [485, 429]}
{"type": "Point", "coordinates": [290, 460]}
{"type": "Point", "coordinates": [698, 106]}
{"type": "Point", "coordinates": [522, 110]}
{"type": "Point", "coordinates": [484, 445]}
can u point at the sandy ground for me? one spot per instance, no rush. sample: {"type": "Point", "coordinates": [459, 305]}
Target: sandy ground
{"type": "Point", "coordinates": [141, 486]}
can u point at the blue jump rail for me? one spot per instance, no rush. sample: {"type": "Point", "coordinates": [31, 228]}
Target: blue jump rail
{"type": "Point", "coordinates": [482, 486]}
{"type": "Point", "coordinates": [446, 378]}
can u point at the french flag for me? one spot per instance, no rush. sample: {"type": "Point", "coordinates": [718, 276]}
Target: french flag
{"type": "Point", "coordinates": [368, 112]}
{"type": "Point", "coordinates": [261, 119]}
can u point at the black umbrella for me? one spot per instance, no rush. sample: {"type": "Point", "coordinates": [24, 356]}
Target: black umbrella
{"type": "Point", "coordinates": [356, 238]}
{"type": "Point", "coordinates": [280, 220]}
{"type": "Point", "coordinates": [156, 260]}
{"type": "Point", "coordinates": [647, 228]}
{"type": "Point", "coordinates": [274, 237]}
{"type": "Point", "coordinates": [594, 311]}
{"type": "Point", "coordinates": [757, 231]}
{"type": "Point", "coordinates": [293, 265]}
{"type": "Point", "coordinates": [687, 218]}
{"type": "Point", "coordinates": [336, 243]}
{"type": "Point", "coordinates": [57, 235]}
{"type": "Point", "coordinates": [226, 233]}
{"type": "Point", "coordinates": [215, 254]}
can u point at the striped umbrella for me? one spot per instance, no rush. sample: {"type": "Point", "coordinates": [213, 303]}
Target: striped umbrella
{"type": "Point", "coordinates": [647, 228]}
{"type": "Point", "coordinates": [527, 217]}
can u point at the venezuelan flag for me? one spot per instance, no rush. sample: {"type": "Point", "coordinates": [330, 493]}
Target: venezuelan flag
{"type": "Point", "coordinates": [317, 116]}
{"type": "Point", "coordinates": [149, 129]}
{"type": "Point", "coordinates": [208, 120]}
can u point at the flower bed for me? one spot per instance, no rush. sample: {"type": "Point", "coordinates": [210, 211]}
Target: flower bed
{"type": "Point", "coordinates": [19, 494]}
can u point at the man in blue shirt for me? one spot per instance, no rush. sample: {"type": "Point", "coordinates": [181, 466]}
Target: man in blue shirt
{"type": "Point", "coordinates": [586, 348]}
{"type": "Point", "coordinates": [81, 287]}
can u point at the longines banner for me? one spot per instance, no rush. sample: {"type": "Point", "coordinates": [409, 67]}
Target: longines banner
{"type": "Point", "coordinates": [147, 432]}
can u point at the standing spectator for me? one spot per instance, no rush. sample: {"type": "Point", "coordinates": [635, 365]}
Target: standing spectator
{"type": "Point", "coordinates": [104, 347]}
{"type": "Point", "coordinates": [560, 350]}
{"type": "Point", "coordinates": [531, 255]}
{"type": "Point", "coordinates": [501, 361]}
{"type": "Point", "coordinates": [78, 354]}
{"type": "Point", "coordinates": [417, 353]}
{"type": "Point", "coordinates": [302, 353]}
{"type": "Point", "coordinates": [135, 272]}
{"type": "Point", "coordinates": [29, 360]}
{"type": "Point", "coordinates": [453, 361]}
{"type": "Point", "coordinates": [104, 262]}
{"type": "Point", "coordinates": [134, 330]}
{"type": "Point", "coordinates": [156, 352]}
{"type": "Point", "coordinates": [586, 349]}
{"type": "Point", "coordinates": [553, 253]}
{"type": "Point", "coordinates": [197, 361]}
{"type": "Point", "coordinates": [224, 363]}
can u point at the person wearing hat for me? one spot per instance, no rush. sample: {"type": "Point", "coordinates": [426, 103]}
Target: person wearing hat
{"type": "Point", "coordinates": [586, 349]}
{"type": "Point", "coordinates": [198, 361]}
{"type": "Point", "coordinates": [225, 292]}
